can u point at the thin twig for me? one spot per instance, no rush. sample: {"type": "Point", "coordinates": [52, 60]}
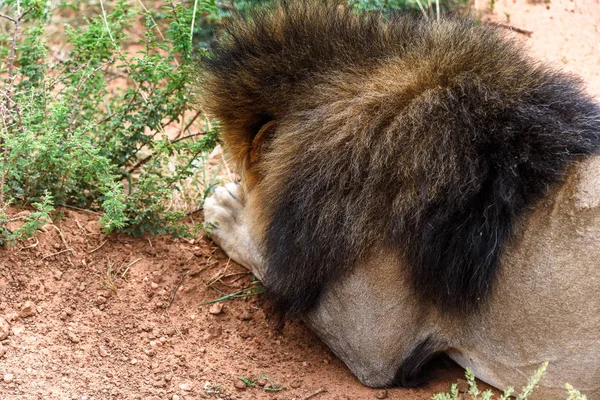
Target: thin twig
{"type": "Point", "coordinates": [422, 9]}
{"type": "Point", "coordinates": [512, 28]}
{"type": "Point", "coordinates": [97, 248]}
{"type": "Point", "coordinates": [148, 157]}
{"type": "Point", "coordinates": [129, 266]}
{"type": "Point", "coordinates": [318, 392]}
{"type": "Point", "coordinates": [5, 221]}
{"type": "Point", "coordinates": [177, 288]}
{"type": "Point", "coordinates": [31, 246]}
{"type": "Point", "coordinates": [57, 253]}
{"type": "Point", "coordinates": [196, 211]}
{"type": "Point", "coordinates": [11, 19]}
{"type": "Point", "coordinates": [64, 242]}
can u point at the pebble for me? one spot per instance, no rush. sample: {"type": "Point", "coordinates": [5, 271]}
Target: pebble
{"type": "Point", "coordinates": [463, 385]}
{"type": "Point", "coordinates": [216, 308]}
{"type": "Point", "coordinates": [58, 275]}
{"type": "Point", "coordinates": [8, 378]}
{"type": "Point", "coordinates": [239, 384]}
{"type": "Point", "coordinates": [382, 394]}
{"type": "Point", "coordinates": [150, 352]}
{"type": "Point", "coordinates": [4, 329]}
{"type": "Point", "coordinates": [245, 315]}
{"type": "Point", "coordinates": [102, 352]}
{"type": "Point", "coordinates": [263, 382]}
{"type": "Point", "coordinates": [175, 397]}
{"type": "Point", "coordinates": [100, 300]}
{"type": "Point", "coordinates": [27, 310]}
{"type": "Point", "coordinates": [73, 337]}
{"type": "Point", "coordinates": [3, 350]}
{"type": "Point", "coordinates": [185, 387]}
{"type": "Point", "coordinates": [296, 384]}
{"type": "Point", "coordinates": [133, 361]}
{"type": "Point", "coordinates": [215, 331]}
{"type": "Point", "coordinates": [154, 285]}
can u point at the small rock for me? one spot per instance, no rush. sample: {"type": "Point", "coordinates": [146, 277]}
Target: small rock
{"type": "Point", "coordinates": [263, 382]}
{"type": "Point", "coordinates": [63, 316]}
{"type": "Point", "coordinates": [150, 250]}
{"type": "Point", "coordinates": [8, 378]}
{"type": "Point", "coordinates": [215, 331]}
{"type": "Point", "coordinates": [463, 385]}
{"type": "Point", "coordinates": [12, 316]}
{"type": "Point", "coordinates": [382, 394]}
{"type": "Point", "coordinates": [4, 329]}
{"type": "Point", "coordinates": [239, 384]}
{"type": "Point", "coordinates": [17, 330]}
{"type": "Point", "coordinates": [27, 310]}
{"type": "Point", "coordinates": [175, 397]}
{"type": "Point", "coordinates": [245, 315]}
{"type": "Point", "coordinates": [216, 308]}
{"type": "Point", "coordinates": [154, 285]}
{"type": "Point", "coordinates": [296, 384]}
{"type": "Point", "coordinates": [102, 352]}
{"type": "Point", "coordinates": [100, 300]}
{"type": "Point", "coordinates": [57, 275]}
{"type": "Point", "coordinates": [185, 387]}
{"type": "Point", "coordinates": [160, 383]}
{"type": "Point", "coordinates": [150, 352]}
{"type": "Point", "coordinates": [3, 350]}
{"type": "Point", "coordinates": [133, 361]}
{"type": "Point", "coordinates": [73, 337]}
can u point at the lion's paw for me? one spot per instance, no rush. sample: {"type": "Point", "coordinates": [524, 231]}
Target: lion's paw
{"type": "Point", "coordinates": [222, 213]}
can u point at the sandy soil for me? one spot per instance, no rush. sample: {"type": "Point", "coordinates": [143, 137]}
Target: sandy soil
{"type": "Point", "coordinates": [89, 316]}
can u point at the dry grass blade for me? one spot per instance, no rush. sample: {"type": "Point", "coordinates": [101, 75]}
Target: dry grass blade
{"type": "Point", "coordinates": [247, 292]}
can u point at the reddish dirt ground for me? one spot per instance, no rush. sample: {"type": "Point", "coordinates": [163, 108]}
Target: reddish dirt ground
{"type": "Point", "coordinates": [65, 334]}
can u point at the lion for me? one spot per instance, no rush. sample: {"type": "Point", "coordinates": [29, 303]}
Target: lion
{"type": "Point", "coordinates": [411, 188]}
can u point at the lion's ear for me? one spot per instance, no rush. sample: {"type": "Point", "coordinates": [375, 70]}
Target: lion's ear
{"type": "Point", "coordinates": [260, 139]}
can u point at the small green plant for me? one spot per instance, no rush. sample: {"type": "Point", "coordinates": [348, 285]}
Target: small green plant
{"type": "Point", "coordinates": [475, 394]}
{"type": "Point", "coordinates": [263, 381]}
{"type": "Point", "coordinates": [254, 289]}
{"type": "Point", "coordinates": [29, 222]}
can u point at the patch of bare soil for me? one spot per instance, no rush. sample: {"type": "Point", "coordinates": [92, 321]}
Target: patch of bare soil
{"type": "Point", "coordinates": [89, 316]}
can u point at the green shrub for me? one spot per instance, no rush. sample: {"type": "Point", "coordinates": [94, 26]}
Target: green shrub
{"type": "Point", "coordinates": [66, 132]}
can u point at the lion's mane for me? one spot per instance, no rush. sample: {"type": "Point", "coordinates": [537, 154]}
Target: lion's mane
{"type": "Point", "coordinates": [428, 139]}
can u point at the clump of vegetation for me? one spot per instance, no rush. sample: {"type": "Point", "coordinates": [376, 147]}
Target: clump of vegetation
{"type": "Point", "coordinates": [473, 393]}
{"type": "Point", "coordinates": [100, 127]}
{"type": "Point", "coordinates": [263, 381]}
